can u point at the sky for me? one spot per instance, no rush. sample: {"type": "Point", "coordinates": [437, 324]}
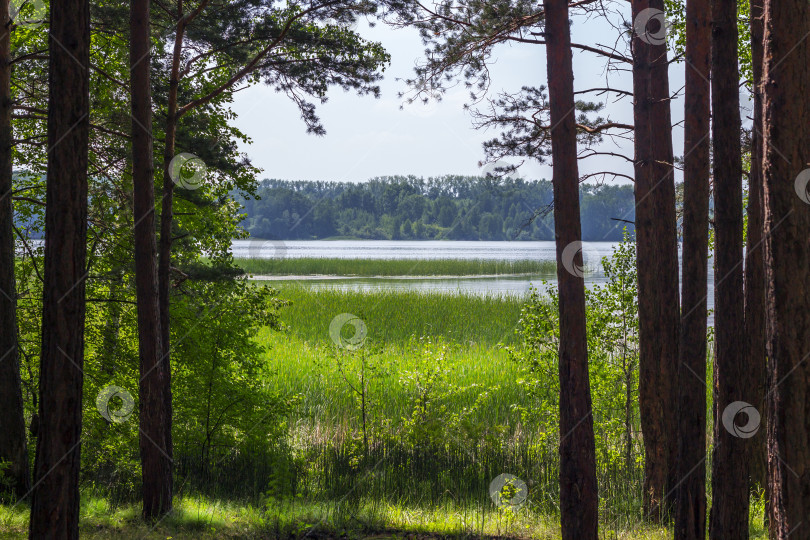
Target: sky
{"type": "Point", "coordinates": [368, 137]}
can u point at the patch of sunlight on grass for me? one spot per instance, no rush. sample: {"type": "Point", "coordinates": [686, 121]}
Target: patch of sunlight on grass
{"type": "Point", "coordinates": [198, 517]}
{"type": "Point", "coordinates": [13, 520]}
{"type": "Point", "coordinates": [299, 367]}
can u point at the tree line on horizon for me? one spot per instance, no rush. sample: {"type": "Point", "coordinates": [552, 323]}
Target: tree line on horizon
{"type": "Point", "coordinates": [451, 207]}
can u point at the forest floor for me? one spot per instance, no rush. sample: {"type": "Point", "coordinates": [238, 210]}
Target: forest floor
{"type": "Point", "coordinates": [203, 519]}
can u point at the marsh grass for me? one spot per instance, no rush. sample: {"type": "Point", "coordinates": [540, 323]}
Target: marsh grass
{"type": "Point", "coordinates": [453, 468]}
{"type": "Point", "coordinates": [393, 267]}
{"type": "Point", "coordinates": [300, 367]}
{"type": "Point", "coordinates": [396, 317]}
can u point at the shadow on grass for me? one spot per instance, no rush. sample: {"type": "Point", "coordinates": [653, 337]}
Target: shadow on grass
{"type": "Point", "coordinates": [197, 518]}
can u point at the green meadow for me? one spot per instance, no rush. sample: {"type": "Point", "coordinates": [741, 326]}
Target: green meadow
{"type": "Point", "coordinates": [398, 436]}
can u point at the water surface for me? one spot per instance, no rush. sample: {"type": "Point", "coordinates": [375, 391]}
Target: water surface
{"type": "Point", "coordinates": [430, 249]}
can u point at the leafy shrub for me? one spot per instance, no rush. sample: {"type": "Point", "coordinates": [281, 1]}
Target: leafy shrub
{"type": "Point", "coordinates": [612, 330]}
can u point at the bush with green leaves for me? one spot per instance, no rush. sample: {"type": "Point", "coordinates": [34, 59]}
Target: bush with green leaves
{"type": "Point", "coordinates": [612, 329]}
{"type": "Point", "coordinates": [227, 423]}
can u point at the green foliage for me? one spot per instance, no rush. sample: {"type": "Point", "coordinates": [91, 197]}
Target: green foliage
{"type": "Point", "coordinates": [6, 483]}
{"type": "Point", "coordinates": [676, 16]}
{"type": "Point", "coordinates": [442, 411]}
{"type": "Point", "coordinates": [227, 421]}
{"type": "Point", "coordinates": [224, 415]}
{"type": "Point", "coordinates": [612, 318]}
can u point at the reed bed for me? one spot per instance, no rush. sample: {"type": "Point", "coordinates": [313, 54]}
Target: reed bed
{"type": "Point", "coordinates": [393, 267]}
{"type": "Point", "coordinates": [300, 368]}
{"type": "Point", "coordinates": [397, 316]}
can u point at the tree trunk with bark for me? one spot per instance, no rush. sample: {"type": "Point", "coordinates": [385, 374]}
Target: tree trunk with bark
{"type": "Point", "coordinates": [13, 446]}
{"type": "Point", "coordinates": [578, 489]}
{"type": "Point", "coordinates": [754, 279]}
{"type": "Point", "coordinates": [690, 504]}
{"type": "Point", "coordinates": [657, 257]}
{"type": "Point", "coordinates": [729, 514]}
{"type": "Point", "coordinates": [55, 501]}
{"type": "Point", "coordinates": [166, 216]}
{"type": "Point", "coordinates": [156, 464]}
{"type": "Point", "coordinates": [786, 153]}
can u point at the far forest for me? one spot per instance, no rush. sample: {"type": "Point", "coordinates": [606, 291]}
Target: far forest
{"type": "Point", "coordinates": [415, 208]}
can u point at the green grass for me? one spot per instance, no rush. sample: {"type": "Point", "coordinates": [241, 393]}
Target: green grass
{"type": "Point", "coordinates": [303, 368]}
{"type": "Point", "coordinates": [397, 267]}
{"type": "Point", "coordinates": [399, 490]}
{"type": "Point", "coordinates": [327, 421]}
{"type": "Point", "coordinates": [197, 517]}
{"type": "Point", "coordinates": [396, 316]}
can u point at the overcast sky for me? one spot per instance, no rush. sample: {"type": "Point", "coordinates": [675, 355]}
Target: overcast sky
{"type": "Point", "coordinates": [369, 137]}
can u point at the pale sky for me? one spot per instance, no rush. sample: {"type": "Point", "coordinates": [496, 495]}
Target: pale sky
{"type": "Point", "coordinates": [369, 137]}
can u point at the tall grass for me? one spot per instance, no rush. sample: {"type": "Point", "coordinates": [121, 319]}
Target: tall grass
{"type": "Point", "coordinates": [298, 367]}
{"type": "Point", "coordinates": [322, 482]}
{"type": "Point", "coordinates": [397, 316]}
{"type": "Point", "coordinates": [450, 469]}
{"type": "Point", "coordinates": [395, 267]}
{"type": "Point", "coordinates": [204, 518]}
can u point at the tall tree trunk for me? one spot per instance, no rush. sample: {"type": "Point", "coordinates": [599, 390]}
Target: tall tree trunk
{"type": "Point", "coordinates": [55, 502]}
{"type": "Point", "coordinates": [786, 152]}
{"type": "Point", "coordinates": [666, 225]}
{"type": "Point", "coordinates": [166, 215]}
{"type": "Point", "coordinates": [729, 515]}
{"type": "Point", "coordinates": [13, 448]}
{"type": "Point", "coordinates": [155, 461]}
{"type": "Point", "coordinates": [578, 489]}
{"type": "Point", "coordinates": [690, 504]}
{"type": "Point", "coordinates": [755, 327]}
{"type": "Point", "coordinates": [657, 259]}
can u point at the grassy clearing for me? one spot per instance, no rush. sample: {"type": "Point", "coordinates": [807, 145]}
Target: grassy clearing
{"type": "Point", "coordinates": [196, 517]}
{"type": "Point", "coordinates": [399, 267]}
{"type": "Point", "coordinates": [394, 317]}
{"type": "Point", "coordinates": [204, 518]}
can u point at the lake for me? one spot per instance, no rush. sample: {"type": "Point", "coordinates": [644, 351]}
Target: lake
{"type": "Point", "coordinates": [431, 249]}
{"type": "Point", "coordinates": [408, 249]}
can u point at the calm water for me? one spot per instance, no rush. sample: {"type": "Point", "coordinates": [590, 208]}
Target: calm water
{"type": "Point", "coordinates": [403, 249]}
{"type": "Point", "coordinates": [442, 249]}
{"type": "Point", "coordinates": [435, 249]}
